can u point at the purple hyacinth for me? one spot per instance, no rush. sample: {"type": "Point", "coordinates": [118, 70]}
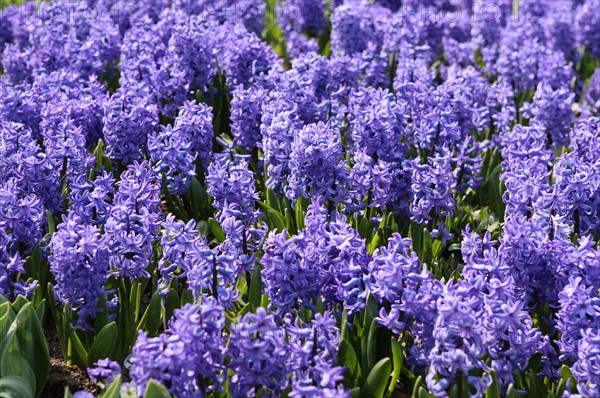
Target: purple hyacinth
{"type": "Point", "coordinates": [290, 271]}
{"type": "Point", "coordinates": [432, 185]}
{"type": "Point", "coordinates": [132, 225]}
{"type": "Point", "coordinates": [79, 261]}
{"type": "Point", "coordinates": [194, 121]}
{"type": "Point", "coordinates": [377, 125]}
{"type": "Point", "coordinates": [588, 27]}
{"type": "Point", "coordinates": [246, 114]}
{"type": "Point", "coordinates": [171, 153]}
{"type": "Point", "coordinates": [585, 369]}
{"type": "Point", "coordinates": [316, 166]}
{"type": "Point", "coordinates": [128, 120]}
{"type": "Point", "coordinates": [188, 357]}
{"type": "Point", "coordinates": [258, 354]}
{"type": "Point", "coordinates": [313, 349]}
{"type": "Point", "coordinates": [104, 371]}
{"type": "Point", "coordinates": [459, 342]}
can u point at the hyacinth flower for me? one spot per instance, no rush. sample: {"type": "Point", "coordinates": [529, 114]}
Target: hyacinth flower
{"type": "Point", "coordinates": [258, 353]}
{"type": "Point", "coordinates": [132, 226]}
{"type": "Point", "coordinates": [187, 66]}
{"type": "Point", "coordinates": [195, 122]}
{"type": "Point", "coordinates": [432, 185]}
{"type": "Point", "coordinates": [552, 109]}
{"type": "Point", "coordinates": [65, 146]}
{"type": "Point", "coordinates": [316, 168]}
{"type": "Point", "coordinates": [246, 115]}
{"type": "Point", "coordinates": [290, 271]}
{"type": "Point", "coordinates": [579, 310]}
{"type": "Point", "coordinates": [91, 199]}
{"type": "Point", "coordinates": [173, 158]}
{"type": "Point", "coordinates": [129, 117]}
{"type": "Point", "coordinates": [588, 27]}
{"type": "Point", "coordinates": [353, 27]}
{"type": "Point", "coordinates": [585, 368]}
{"type": "Point", "coordinates": [459, 343]}
{"type": "Point", "coordinates": [313, 351]}
{"type": "Point", "coordinates": [188, 357]}
{"type": "Point", "coordinates": [21, 225]}
{"type": "Point", "coordinates": [232, 186]}
{"type": "Point", "coordinates": [394, 275]}
{"type": "Point", "coordinates": [247, 59]}
{"type": "Point", "coordinates": [79, 261]}
{"type": "Point", "coordinates": [376, 124]}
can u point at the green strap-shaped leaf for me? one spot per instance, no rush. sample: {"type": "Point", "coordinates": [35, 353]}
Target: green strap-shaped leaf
{"type": "Point", "coordinates": [494, 390]}
{"type": "Point", "coordinates": [32, 344]}
{"type": "Point", "coordinates": [15, 387]}
{"type": "Point", "coordinates": [156, 390]}
{"type": "Point", "coordinates": [12, 363]}
{"type": "Point", "coordinates": [255, 292]}
{"type": "Point", "coordinates": [377, 380]}
{"type": "Point", "coordinates": [7, 316]}
{"type": "Point", "coordinates": [104, 345]}
{"type": "Point", "coordinates": [398, 361]}
{"type": "Point", "coordinates": [347, 357]}
{"type": "Point", "coordinates": [113, 390]}
{"type": "Point", "coordinates": [216, 230]}
{"type": "Point", "coordinates": [150, 321]}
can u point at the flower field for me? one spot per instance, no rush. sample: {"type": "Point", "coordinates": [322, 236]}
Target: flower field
{"type": "Point", "coordinates": [300, 198]}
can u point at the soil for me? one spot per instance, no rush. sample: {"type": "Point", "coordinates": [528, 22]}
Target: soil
{"type": "Point", "coordinates": [62, 375]}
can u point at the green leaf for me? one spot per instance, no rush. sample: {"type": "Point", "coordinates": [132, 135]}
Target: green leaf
{"type": "Point", "coordinates": [371, 310]}
{"type": "Point", "coordinates": [372, 344]}
{"type": "Point", "coordinates": [51, 225]}
{"type": "Point", "coordinates": [19, 303]}
{"type": "Point", "coordinates": [105, 344]}
{"type": "Point", "coordinates": [398, 361]}
{"type": "Point", "coordinates": [427, 253]}
{"type": "Point", "coordinates": [156, 390]}
{"type": "Point", "coordinates": [347, 357]}
{"type": "Point", "coordinates": [114, 389]}
{"type": "Point", "coordinates": [150, 321]}
{"type": "Point", "coordinates": [272, 201]}
{"type": "Point", "coordinates": [277, 220]}
{"type": "Point", "coordinates": [344, 333]}
{"type": "Point", "coordinates": [494, 390]}
{"type": "Point", "coordinates": [418, 382]}
{"type": "Point", "coordinates": [15, 387]}
{"type": "Point", "coordinates": [32, 344]}
{"type": "Point", "coordinates": [300, 211]}
{"type": "Point", "coordinates": [423, 393]}
{"type": "Point", "coordinates": [68, 393]}
{"type": "Point", "coordinates": [512, 392]}
{"type": "Point", "coordinates": [415, 232]}
{"type": "Point", "coordinates": [216, 230]}
{"type": "Point", "coordinates": [102, 315]}
{"type": "Point", "coordinates": [289, 224]}
{"type": "Point", "coordinates": [12, 363]}
{"type": "Point", "coordinates": [78, 352]}
{"type": "Point", "coordinates": [255, 292]}
{"type": "Point", "coordinates": [7, 316]}
{"type": "Point", "coordinates": [171, 304]}
{"type": "Point", "coordinates": [356, 393]}
{"type": "Point", "coordinates": [377, 380]}
{"type": "Point", "coordinates": [40, 311]}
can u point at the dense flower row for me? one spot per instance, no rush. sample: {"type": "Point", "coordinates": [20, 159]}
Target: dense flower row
{"type": "Point", "coordinates": [334, 154]}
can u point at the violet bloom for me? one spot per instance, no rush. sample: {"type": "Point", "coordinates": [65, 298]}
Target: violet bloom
{"type": "Point", "coordinates": [316, 165]}
{"type": "Point", "coordinates": [258, 354]}
{"type": "Point", "coordinates": [132, 225]}
{"type": "Point", "coordinates": [128, 120]}
{"type": "Point", "coordinates": [188, 357]}
{"type": "Point", "coordinates": [79, 262]}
